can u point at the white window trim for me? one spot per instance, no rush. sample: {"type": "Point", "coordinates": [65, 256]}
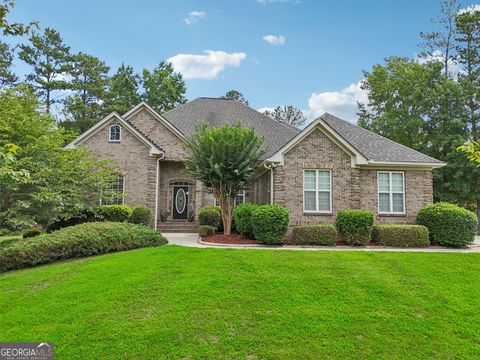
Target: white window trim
{"type": "Point", "coordinates": [317, 191]}
{"type": "Point", "coordinates": [390, 193]}
{"type": "Point", "coordinates": [110, 132]}
{"type": "Point", "coordinates": [123, 193]}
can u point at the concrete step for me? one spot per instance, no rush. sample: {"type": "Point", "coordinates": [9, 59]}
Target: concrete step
{"type": "Point", "coordinates": [178, 226]}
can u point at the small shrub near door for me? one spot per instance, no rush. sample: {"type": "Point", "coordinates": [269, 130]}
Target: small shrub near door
{"type": "Point", "coordinates": [115, 213]}
{"type": "Point", "coordinates": [400, 235]}
{"type": "Point", "coordinates": [448, 224]}
{"type": "Point", "coordinates": [355, 226]}
{"type": "Point", "coordinates": [77, 241]}
{"type": "Point", "coordinates": [242, 216]}
{"type": "Point", "coordinates": [141, 215]}
{"type": "Point", "coordinates": [206, 230]}
{"type": "Point", "coordinates": [315, 235]}
{"type": "Point", "coordinates": [210, 215]}
{"type": "Point", "coordinates": [270, 224]}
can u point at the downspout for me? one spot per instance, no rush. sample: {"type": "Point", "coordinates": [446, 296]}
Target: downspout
{"type": "Point", "coordinates": [157, 182]}
{"type": "Point", "coordinates": [270, 167]}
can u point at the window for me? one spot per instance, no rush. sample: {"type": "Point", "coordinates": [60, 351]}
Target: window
{"type": "Point", "coordinates": [114, 134]}
{"type": "Point", "coordinates": [239, 198]}
{"type": "Point", "coordinates": [391, 192]}
{"type": "Point", "coordinates": [113, 193]}
{"type": "Point", "coordinates": [317, 191]}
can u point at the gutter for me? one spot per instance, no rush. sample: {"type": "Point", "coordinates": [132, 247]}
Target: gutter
{"type": "Point", "coordinates": [270, 167]}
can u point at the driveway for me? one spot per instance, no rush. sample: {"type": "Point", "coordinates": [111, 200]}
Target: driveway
{"type": "Point", "coordinates": [191, 240]}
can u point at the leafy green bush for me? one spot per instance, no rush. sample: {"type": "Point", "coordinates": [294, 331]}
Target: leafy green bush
{"type": "Point", "coordinates": [315, 235]}
{"type": "Point", "coordinates": [355, 226]}
{"type": "Point", "coordinates": [115, 213]}
{"type": "Point", "coordinates": [31, 233]}
{"type": "Point", "coordinates": [78, 241]}
{"type": "Point", "coordinates": [82, 217]}
{"type": "Point", "coordinates": [242, 216]}
{"type": "Point", "coordinates": [270, 224]}
{"type": "Point", "coordinates": [448, 224]}
{"type": "Point", "coordinates": [206, 230]}
{"type": "Point", "coordinates": [141, 215]}
{"type": "Point", "coordinates": [210, 215]}
{"type": "Point", "coordinates": [400, 235]}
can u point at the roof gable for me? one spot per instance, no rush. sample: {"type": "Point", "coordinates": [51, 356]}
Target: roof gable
{"type": "Point", "coordinates": [154, 148]}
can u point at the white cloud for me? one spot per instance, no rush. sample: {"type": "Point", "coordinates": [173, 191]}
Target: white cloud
{"type": "Point", "coordinates": [471, 8]}
{"type": "Point", "coordinates": [263, 109]}
{"type": "Point", "coordinates": [194, 16]}
{"type": "Point", "coordinates": [274, 39]}
{"type": "Point", "coordinates": [454, 68]}
{"type": "Point", "coordinates": [339, 103]}
{"type": "Point", "coordinates": [206, 66]}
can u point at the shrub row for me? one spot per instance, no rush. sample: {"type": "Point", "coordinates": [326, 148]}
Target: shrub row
{"type": "Point", "coordinates": [266, 223]}
{"type": "Point", "coordinates": [400, 235]}
{"type": "Point", "coordinates": [77, 241]}
{"type": "Point", "coordinates": [315, 235]}
{"type": "Point", "coordinates": [114, 213]}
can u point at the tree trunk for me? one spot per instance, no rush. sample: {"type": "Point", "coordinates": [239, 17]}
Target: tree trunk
{"type": "Point", "coordinates": [226, 210]}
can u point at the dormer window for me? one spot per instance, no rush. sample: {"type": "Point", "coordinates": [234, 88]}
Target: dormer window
{"type": "Point", "coordinates": [114, 133]}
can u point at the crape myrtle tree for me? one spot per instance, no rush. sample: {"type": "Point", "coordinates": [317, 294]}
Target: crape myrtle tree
{"type": "Point", "coordinates": [223, 159]}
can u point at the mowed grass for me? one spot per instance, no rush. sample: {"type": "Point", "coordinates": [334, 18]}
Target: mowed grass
{"type": "Point", "coordinates": [174, 302]}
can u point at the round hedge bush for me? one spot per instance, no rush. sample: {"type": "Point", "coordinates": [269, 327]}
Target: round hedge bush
{"type": "Point", "coordinates": [448, 224]}
{"type": "Point", "coordinates": [141, 215]}
{"type": "Point", "coordinates": [270, 224]}
{"type": "Point", "coordinates": [242, 216]}
{"type": "Point", "coordinates": [355, 226]}
{"type": "Point", "coordinates": [115, 213]}
{"type": "Point", "coordinates": [210, 215]}
{"type": "Point", "coordinates": [77, 241]}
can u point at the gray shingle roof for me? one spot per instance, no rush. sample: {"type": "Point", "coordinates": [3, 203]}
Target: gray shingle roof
{"type": "Point", "coordinates": [373, 146]}
{"type": "Point", "coordinates": [216, 112]}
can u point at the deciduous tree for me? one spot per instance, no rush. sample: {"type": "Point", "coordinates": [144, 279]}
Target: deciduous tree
{"type": "Point", "coordinates": [223, 159]}
{"type": "Point", "coordinates": [235, 95]}
{"type": "Point", "coordinates": [122, 90]}
{"type": "Point", "coordinates": [288, 114]}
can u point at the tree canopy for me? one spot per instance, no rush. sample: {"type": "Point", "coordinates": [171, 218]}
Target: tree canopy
{"type": "Point", "coordinates": [288, 114]}
{"type": "Point", "coordinates": [235, 95]}
{"type": "Point", "coordinates": [223, 159]}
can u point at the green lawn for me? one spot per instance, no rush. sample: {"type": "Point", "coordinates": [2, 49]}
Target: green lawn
{"type": "Point", "coordinates": [174, 302]}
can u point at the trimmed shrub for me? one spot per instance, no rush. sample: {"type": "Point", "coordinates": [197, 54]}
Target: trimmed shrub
{"type": "Point", "coordinates": [80, 218]}
{"type": "Point", "coordinates": [206, 230]}
{"type": "Point", "coordinates": [400, 235]}
{"type": "Point", "coordinates": [315, 235]}
{"type": "Point", "coordinates": [141, 215]}
{"type": "Point", "coordinates": [448, 224]}
{"type": "Point", "coordinates": [210, 215]}
{"type": "Point", "coordinates": [78, 241]}
{"type": "Point", "coordinates": [114, 213]}
{"type": "Point", "coordinates": [242, 216]}
{"type": "Point", "coordinates": [270, 224]}
{"type": "Point", "coordinates": [31, 233]}
{"type": "Point", "coordinates": [355, 226]}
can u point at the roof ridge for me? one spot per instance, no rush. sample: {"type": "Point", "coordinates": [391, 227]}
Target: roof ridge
{"type": "Point", "coordinates": [378, 135]}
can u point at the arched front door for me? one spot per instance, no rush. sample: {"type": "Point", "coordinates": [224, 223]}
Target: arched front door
{"type": "Point", "coordinates": [180, 202]}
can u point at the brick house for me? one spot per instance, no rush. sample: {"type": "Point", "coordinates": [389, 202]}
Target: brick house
{"type": "Point", "coordinates": [328, 166]}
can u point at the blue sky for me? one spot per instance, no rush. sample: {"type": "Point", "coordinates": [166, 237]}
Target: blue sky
{"type": "Point", "coordinates": [313, 59]}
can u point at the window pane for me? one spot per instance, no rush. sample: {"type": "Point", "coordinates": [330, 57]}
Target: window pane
{"type": "Point", "coordinates": [397, 182]}
{"type": "Point", "coordinates": [310, 180]}
{"type": "Point", "coordinates": [324, 201]}
{"type": "Point", "coordinates": [383, 181]}
{"type": "Point", "coordinates": [398, 202]}
{"type": "Point", "coordinates": [384, 202]}
{"type": "Point", "coordinates": [324, 180]}
{"type": "Point", "coordinates": [309, 200]}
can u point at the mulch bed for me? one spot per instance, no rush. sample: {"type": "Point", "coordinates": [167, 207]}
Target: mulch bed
{"type": "Point", "coordinates": [235, 239]}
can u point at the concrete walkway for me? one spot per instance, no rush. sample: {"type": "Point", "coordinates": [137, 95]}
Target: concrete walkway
{"type": "Point", "coordinates": [191, 240]}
